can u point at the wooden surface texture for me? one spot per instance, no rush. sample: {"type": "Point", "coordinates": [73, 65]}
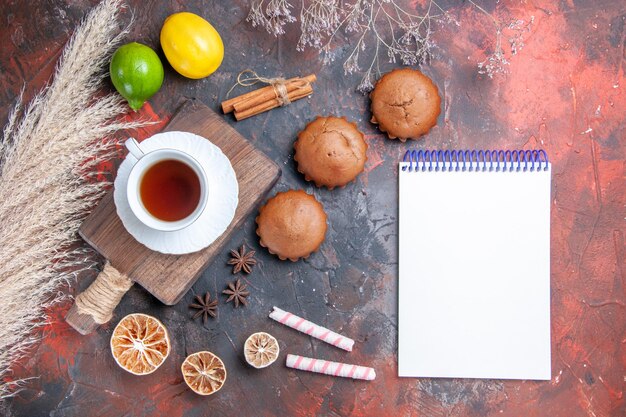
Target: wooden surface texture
{"type": "Point", "coordinates": [168, 277]}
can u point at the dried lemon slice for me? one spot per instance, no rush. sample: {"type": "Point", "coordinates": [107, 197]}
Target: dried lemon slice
{"type": "Point", "coordinates": [140, 344]}
{"type": "Point", "coordinates": [204, 372]}
{"type": "Point", "coordinates": [261, 350]}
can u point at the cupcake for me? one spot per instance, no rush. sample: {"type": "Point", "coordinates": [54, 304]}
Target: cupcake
{"type": "Point", "coordinates": [291, 225]}
{"type": "Point", "coordinates": [330, 151]}
{"type": "Point", "coordinates": [405, 104]}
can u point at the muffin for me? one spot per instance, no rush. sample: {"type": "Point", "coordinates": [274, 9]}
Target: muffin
{"type": "Point", "coordinates": [330, 151]}
{"type": "Point", "coordinates": [405, 104]}
{"type": "Point", "coordinates": [291, 225]}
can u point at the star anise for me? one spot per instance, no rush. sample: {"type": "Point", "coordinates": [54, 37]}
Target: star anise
{"type": "Point", "coordinates": [242, 260]}
{"type": "Point", "coordinates": [237, 292]}
{"type": "Point", "coordinates": [205, 307]}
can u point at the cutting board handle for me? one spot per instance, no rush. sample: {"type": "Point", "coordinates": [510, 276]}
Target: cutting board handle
{"type": "Point", "coordinates": [95, 305]}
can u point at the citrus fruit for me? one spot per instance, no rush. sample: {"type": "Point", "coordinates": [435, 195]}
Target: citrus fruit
{"type": "Point", "coordinates": [140, 344]}
{"type": "Point", "coordinates": [204, 372]}
{"type": "Point", "coordinates": [191, 45]}
{"type": "Point", "coordinates": [136, 72]}
{"type": "Point", "coordinates": [261, 350]}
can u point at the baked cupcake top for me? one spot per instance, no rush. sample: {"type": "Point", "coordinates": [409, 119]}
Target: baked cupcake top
{"type": "Point", "coordinates": [405, 104]}
{"type": "Point", "coordinates": [291, 225]}
{"type": "Point", "coordinates": [330, 151]}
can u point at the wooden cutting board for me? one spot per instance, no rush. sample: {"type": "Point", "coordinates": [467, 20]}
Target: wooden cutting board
{"type": "Point", "coordinates": [168, 277]}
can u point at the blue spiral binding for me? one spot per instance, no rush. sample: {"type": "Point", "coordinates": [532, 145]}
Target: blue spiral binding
{"type": "Point", "coordinates": [481, 160]}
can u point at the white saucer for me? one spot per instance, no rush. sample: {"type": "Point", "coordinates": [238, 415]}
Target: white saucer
{"type": "Point", "coordinates": [221, 204]}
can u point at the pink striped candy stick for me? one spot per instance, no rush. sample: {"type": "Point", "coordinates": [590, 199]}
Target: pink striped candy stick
{"type": "Point", "coordinates": [312, 329]}
{"type": "Point", "coordinates": [321, 366]}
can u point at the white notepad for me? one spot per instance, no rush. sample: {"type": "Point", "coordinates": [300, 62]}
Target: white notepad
{"type": "Point", "coordinates": [474, 265]}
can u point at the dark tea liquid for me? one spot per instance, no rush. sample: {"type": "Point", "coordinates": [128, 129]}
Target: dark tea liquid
{"type": "Point", "coordinates": [170, 190]}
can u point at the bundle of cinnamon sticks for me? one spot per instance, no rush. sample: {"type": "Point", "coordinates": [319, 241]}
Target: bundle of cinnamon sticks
{"type": "Point", "coordinates": [271, 96]}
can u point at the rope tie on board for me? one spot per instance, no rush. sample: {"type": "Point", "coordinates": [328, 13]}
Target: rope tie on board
{"type": "Point", "coordinates": [100, 299]}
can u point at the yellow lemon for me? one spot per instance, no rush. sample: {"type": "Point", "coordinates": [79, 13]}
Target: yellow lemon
{"type": "Point", "coordinates": [191, 45]}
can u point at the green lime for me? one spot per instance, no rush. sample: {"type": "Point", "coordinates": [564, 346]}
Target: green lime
{"type": "Point", "coordinates": [136, 72]}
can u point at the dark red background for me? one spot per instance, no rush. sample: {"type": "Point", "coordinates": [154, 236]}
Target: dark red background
{"type": "Point", "coordinates": [564, 93]}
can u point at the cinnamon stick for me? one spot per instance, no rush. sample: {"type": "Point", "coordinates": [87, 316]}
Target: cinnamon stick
{"type": "Point", "coordinates": [271, 104]}
{"type": "Point", "coordinates": [264, 95]}
{"type": "Point", "coordinates": [228, 105]}
{"type": "Point", "coordinates": [267, 91]}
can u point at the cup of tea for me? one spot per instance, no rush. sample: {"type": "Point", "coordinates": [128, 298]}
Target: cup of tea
{"type": "Point", "coordinates": [167, 189]}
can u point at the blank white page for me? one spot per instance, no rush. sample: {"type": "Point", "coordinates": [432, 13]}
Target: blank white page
{"type": "Point", "coordinates": [474, 274]}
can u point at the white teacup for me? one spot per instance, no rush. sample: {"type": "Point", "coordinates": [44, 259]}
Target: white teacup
{"type": "Point", "coordinates": [142, 161]}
